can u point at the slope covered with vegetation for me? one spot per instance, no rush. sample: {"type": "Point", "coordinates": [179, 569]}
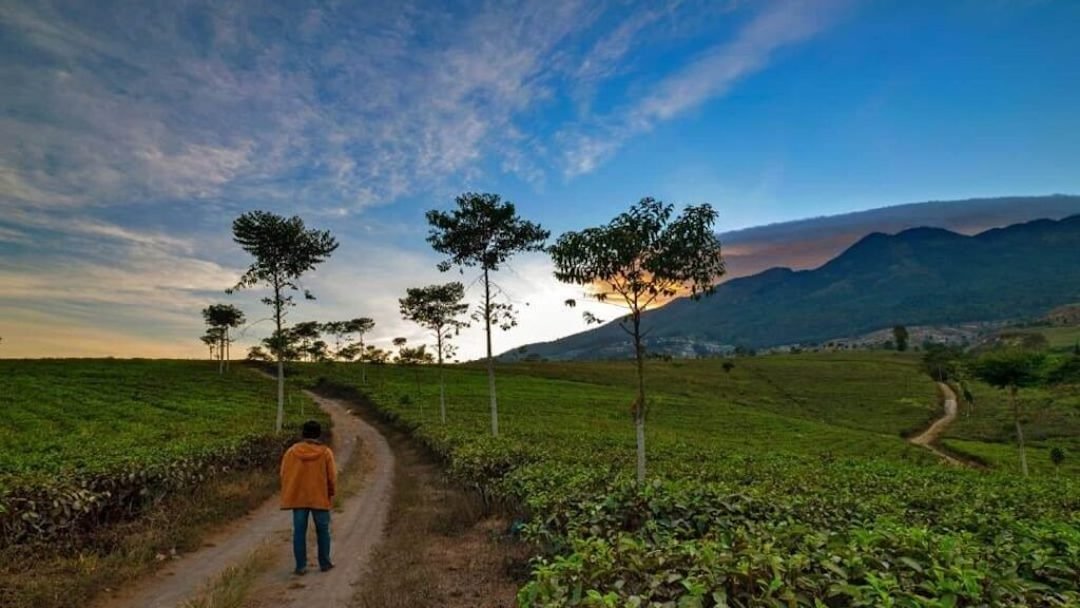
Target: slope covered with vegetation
{"type": "Point", "coordinates": [87, 442]}
{"type": "Point", "coordinates": [921, 276]}
{"type": "Point", "coordinates": [751, 499]}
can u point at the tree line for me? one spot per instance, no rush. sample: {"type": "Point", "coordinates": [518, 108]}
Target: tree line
{"type": "Point", "coordinates": [638, 260]}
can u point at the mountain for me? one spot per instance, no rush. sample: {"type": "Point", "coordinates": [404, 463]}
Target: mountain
{"type": "Point", "coordinates": [920, 276]}
{"type": "Point", "coordinates": [809, 243]}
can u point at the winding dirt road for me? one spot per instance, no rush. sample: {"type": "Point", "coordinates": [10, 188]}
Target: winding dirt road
{"type": "Point", "coordinates": [356, 529]}
{"type": "Point", "coordinates": [929, 437]}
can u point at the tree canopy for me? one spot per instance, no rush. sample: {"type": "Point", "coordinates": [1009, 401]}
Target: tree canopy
{"type": "Point", "coordinates": [482, 231]}
{"type": "Point", "coordinates": [643, 256]}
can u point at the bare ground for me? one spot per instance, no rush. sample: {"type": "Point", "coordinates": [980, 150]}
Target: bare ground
{"type": "Point", "coordinates": [357, 528]}
{"type": "Point", "coordinates": [929, 437]}
{"type": "Point", "coordinates": [444, 547]}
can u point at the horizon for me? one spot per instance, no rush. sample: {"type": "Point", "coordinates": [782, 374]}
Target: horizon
{"type": "Point", "coordinates": [139, 132]}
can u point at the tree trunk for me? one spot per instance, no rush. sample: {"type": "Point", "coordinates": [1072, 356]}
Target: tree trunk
{"type": "Point", "coordinates": [1019, 429]}
{"type": "Point", "coordinates": [221, 353]}
{"type": "Point", "coordinates": [280, 362]}
{"type": "Point", "coordinates": [490, 360]}
{"type": "Point", "coordinates": [639, 405]}
{"type": "Point", "coordinates": [228, 349]}
{"type": "Point", "coordinates": [442, 380]}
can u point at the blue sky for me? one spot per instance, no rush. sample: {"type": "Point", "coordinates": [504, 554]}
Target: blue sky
{"type": "Point", "coordinates": [134, 132]}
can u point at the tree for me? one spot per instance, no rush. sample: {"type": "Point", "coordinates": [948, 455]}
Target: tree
{"type": "Point", "coordinates": [374, 355]}
{"type": "Point", "coordinates": [284, 249]}
{"type": "Point", "coordinates": [484, 231]}
{"type": "Point", "coordinates": [220, 318]}
{"type": "Point", "coordinates": [399, 343]}
{"type": "Point", "coordinates": [437, 308]}
{"type": "Point", "coordinates": [256, 353]}
{"type": "Point", "coordinates": [900, 335]}
{"type": "Point", "coordinates": [942, 362]}
{"type": "Point", "coordinates": [728, 366]}
{"type": "Point", "coordinates": [1011, 369]}
{"type": "Point", "coordinates": [305, 339]}
{"type": "Point", "coordinates": [642, 258]}
{"type": "Point", "coordinates": [345, 348]}
{"type": "Point", "coordinates": [211, 339]}
{"type": "Point", "coordinates": [361, 326]}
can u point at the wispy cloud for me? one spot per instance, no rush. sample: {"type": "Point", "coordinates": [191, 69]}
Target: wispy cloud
{"type": "Point", "coordinates": [343, 104]}
{"type": "Point", "coordinates": [323, 109]}
{"type": "Point", "coordinates": [710, 75]}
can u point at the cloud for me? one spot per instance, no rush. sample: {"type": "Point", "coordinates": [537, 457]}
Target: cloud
{"type": "Point", "coordinates": [342, 104]}
{"type": "Point", "coordinates": [130, 130]}
{"type": "Point", "coordinates": [710, 75]}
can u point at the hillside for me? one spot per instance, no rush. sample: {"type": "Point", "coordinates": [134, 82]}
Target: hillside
{"type": "Point", "coordinates": [809, 243]}
{"type": "Point", "coordinates": [921, 276]}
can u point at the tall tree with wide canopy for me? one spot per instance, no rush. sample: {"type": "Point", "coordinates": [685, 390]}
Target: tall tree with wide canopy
{"type": "Point", "coordinates": [1011, 369]}
{"type": "Point", "coordinates": [642, 258]}
{"type": "Point", "coordinates": [220, 318]}
{"type": "Point", "coordinates": [485, 231]}
{"type": "Point", "coordinates": [284, 249]}
{"type": "Point", "coordinates": [437, 308]}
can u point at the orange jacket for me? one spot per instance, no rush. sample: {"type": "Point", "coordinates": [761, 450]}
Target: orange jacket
{"type": "Point", "coordinates": [308, 476]}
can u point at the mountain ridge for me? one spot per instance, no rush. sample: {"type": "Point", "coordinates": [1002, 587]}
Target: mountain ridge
{"type": "Point", "coordinates": [918, 276]}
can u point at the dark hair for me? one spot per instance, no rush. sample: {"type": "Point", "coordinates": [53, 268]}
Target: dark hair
{"type": "Point", "coordinates": [311, 430]}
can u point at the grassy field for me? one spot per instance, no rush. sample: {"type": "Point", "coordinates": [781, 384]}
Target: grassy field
{"type": "Point", "coordinates": [90, 415]}
{"type": "Point", "coordinates": [1059, 338]}
{"type": "Point", "coordinates": [1051, 418]}
{"type": "Point", "coordinates": [872, 391]}
{"type": "Point", "coordinates": [781, 482]}
{"type": "Point", "coordinates": [104, 464]}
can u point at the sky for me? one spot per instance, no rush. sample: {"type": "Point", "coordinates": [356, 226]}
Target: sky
{"type": "Point", "coordinates": [134, 132]}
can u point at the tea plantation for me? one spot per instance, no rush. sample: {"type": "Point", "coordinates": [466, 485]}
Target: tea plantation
{"type": "Point", "coordinates": [87, 442]}
{"type": "Point", "coordinates": [782, 482]}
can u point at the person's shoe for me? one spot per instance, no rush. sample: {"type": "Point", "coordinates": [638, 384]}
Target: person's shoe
{"type": "Point", "coordinates": [300, 572]}
{"type": "Point", "coordinates": [326, 568]}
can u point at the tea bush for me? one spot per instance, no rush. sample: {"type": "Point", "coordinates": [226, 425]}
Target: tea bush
{"type": "Point", "coordinates": [742, 507]}
{"type": "Point", "coordinates": [90, 442]}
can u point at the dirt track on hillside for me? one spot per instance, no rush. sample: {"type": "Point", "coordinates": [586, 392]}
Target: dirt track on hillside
{"type": "Point", "coordinates": [929, 437]}
{"type": "Point", "coordinates": [356, 529]}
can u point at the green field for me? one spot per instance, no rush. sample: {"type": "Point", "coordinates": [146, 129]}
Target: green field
{"type": "Point", "coordinates": [784, 482]}
{"type": "Point", "coordinates": [1058, 337]}
{"type": "Point", "coordinates": [1051, 418]}
{"type": "Point", "coordinates": [84, 442]}
{"type": "Point", "coordinates": [90, 415]}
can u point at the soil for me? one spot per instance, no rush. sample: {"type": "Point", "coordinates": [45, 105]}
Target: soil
{"type": "Point", "coordinates": [356, 531]}
{"type": "Point", "coordinates": [929, 437]}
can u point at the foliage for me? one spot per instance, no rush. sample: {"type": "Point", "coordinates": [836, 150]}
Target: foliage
{"type": "Point", "coordinates": [346, 348]}
{"type": "Point", "coordinates": [283, 250]}
{"type": "Point", "coordinates": [437, 308]}
{"type": "Point", "coordinates": [88, 443]}
{"type": "Point", "coordinates": [746, 507]}
{"type": "Point", "coordinates": [220, 318]}
{"type": "Point", "coordinates": [642, 258]}
{"type": "Point", "coordinates": [917, 277]}
{"type": "Point", "coordinates": [484, 231]}
{"type": "Point", "coordinates": [1009, 368]}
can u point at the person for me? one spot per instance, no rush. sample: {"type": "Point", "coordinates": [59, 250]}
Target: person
{"type": "Point", "coordinates": [308, 479]}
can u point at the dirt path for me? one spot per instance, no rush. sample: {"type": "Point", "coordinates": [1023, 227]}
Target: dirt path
{"type": "Point", "coordinates": [355, 531]}
{"type": "Point", "coordinates": [929, 437]}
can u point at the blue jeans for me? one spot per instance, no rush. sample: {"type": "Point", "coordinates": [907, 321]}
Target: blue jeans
{"type": "Point", "coordinates": [322, 535]}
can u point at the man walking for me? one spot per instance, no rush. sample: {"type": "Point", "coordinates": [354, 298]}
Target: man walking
{"type": "Point", "coordinates": [308, 477]}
